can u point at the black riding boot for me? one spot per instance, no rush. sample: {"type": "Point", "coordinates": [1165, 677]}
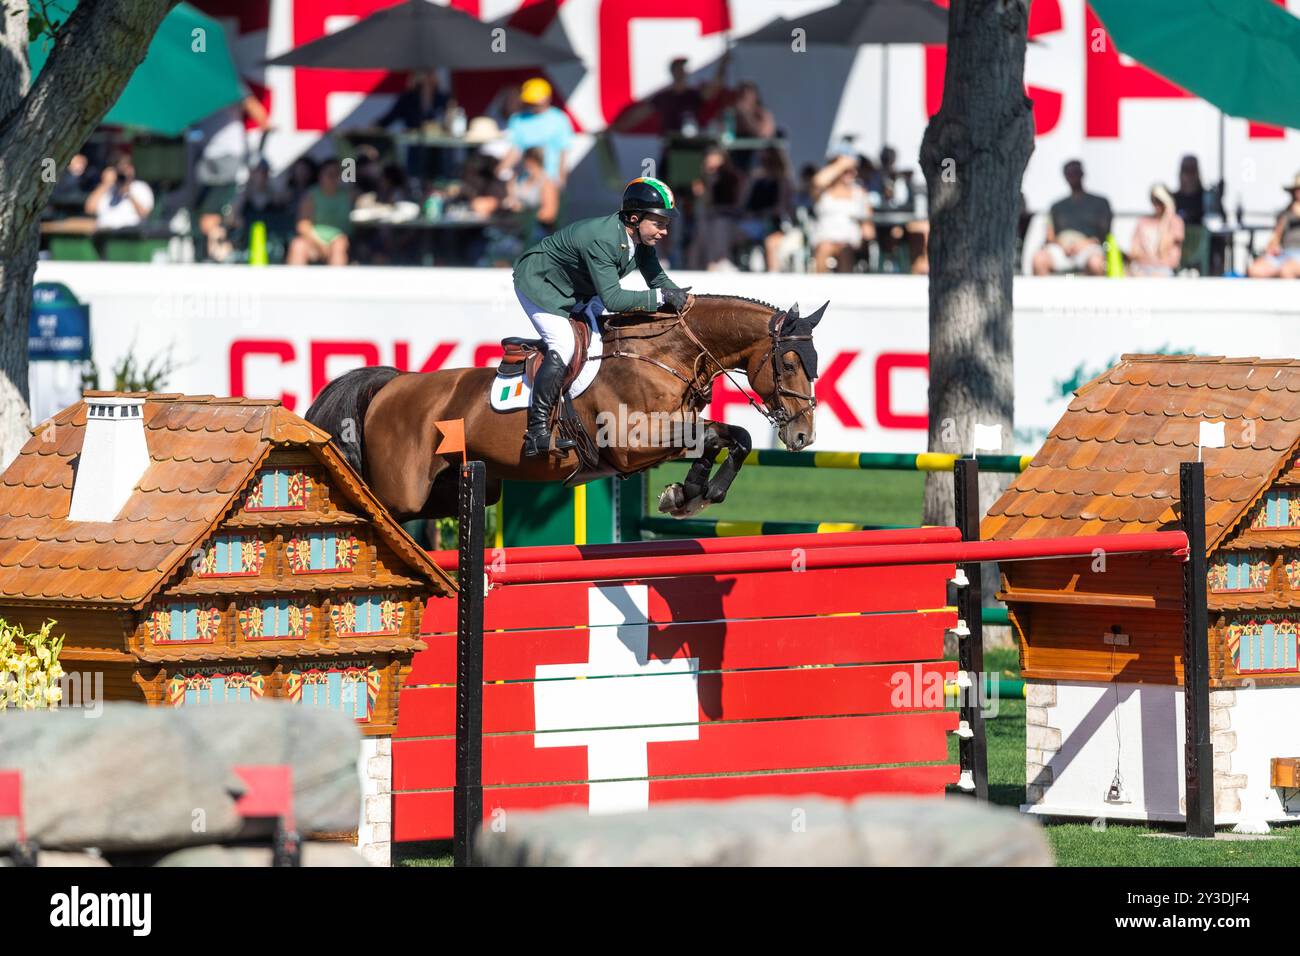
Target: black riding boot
{"type": "Point", "coordinates": [546, 393]}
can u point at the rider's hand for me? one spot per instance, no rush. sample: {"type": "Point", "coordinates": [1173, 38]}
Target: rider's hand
{"type": "Point", "coordinates": [676, 298]}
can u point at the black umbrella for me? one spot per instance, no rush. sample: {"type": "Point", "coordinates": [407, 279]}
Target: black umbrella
{"type": "Point", "coordinates": [858, 22]}
{"type": "Point", "coordinates": [418, 35]}
{"type": "Point", "coordinates": [853, 23]}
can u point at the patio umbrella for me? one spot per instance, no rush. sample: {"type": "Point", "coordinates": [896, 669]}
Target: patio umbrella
{"type": "Point", "coordinates": [853, 23]}
{"type": "Point", "coordinates": [418, 35]}
{"type": "Point", "coordinates": [1243, 56]}
{"type": "Point", "coordinates": [175, 85]}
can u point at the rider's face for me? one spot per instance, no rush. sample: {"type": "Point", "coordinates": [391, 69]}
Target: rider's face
{"type": "Point", "coordinates": [652, 228]}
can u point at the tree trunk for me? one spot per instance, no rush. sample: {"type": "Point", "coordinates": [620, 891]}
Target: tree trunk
{"type": "Point", "coordinates": [974, 154]}
{"type": "Point", "coordinates": [41, 128]}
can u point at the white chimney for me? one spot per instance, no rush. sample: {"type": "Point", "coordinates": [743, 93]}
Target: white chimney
{"type": "Point", "coordinates": [113, 457]}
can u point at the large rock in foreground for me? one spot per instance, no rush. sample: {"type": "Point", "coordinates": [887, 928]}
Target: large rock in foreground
{"type": "Point", "coordinates": [142, 778]}
{"type": "Point", "coordinates": [794, 831]}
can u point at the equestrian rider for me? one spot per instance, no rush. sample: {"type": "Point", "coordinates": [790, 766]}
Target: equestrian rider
{"type": "Point", "coordinates": [580, 266]}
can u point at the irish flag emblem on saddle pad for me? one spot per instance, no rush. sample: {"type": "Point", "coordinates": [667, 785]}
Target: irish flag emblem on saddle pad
{"type": "Point", "coordinates": [510, 393]}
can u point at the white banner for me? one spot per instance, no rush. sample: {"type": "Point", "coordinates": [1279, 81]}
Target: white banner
{"type": "Point", "coordinates": [285, 332]}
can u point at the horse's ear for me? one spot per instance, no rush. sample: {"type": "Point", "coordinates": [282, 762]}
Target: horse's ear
{"type": "Point", "coordinates": [817, 316]}
{"type": "Point", "coordinates": [794, 311]}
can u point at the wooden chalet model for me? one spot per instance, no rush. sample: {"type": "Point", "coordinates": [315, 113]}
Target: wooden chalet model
{"type": "Point", "coordinates": [197, 549]}
{"type": "Point", "coordinates": [1101, 639]}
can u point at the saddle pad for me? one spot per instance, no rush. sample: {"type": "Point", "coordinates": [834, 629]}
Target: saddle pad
{"type": "Point", "coordinates": [510, 393]}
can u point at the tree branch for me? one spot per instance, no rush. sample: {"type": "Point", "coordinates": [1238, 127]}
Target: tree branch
{"type": "Point", "coordinates": [98, 49]}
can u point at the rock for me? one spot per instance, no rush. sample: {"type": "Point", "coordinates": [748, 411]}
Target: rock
{"type": "Point", "coordinates": [313, 854]}
{"type": "Point", "coordinates": [322, 747]}
{"type": "Point", "coordinates": [953, 831]}
{"type": "Point", "coordinates": [794, 831]}
{"type": "Point", "coordinates": [137, 778]}
{"type": "Point", "coordinates": [128, 778]}
{"type": "Point", "coordinates": [61, 858]}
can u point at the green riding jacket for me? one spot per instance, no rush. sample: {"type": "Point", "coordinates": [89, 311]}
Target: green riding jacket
{"type": "Point", "coordinates": [588, 258]}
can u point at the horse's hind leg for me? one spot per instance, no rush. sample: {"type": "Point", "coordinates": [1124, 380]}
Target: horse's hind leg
{"type": "Point", "coordinates": [444, 493]}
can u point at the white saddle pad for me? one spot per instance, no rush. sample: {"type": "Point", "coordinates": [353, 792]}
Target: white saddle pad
{"type": "Point", "coordinates": [512, 393]}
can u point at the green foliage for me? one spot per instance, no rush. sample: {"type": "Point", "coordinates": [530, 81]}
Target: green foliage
{"type": "Point", "coordinates": [44, 18]}
{"type": "Point", "coordinates": [130, 376]}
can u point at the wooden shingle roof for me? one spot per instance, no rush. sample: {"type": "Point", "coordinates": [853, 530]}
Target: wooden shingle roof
{"type": "Point", "coordinates": [203, 452]}
{"type": "Point", "coordinates": [1110, 465]}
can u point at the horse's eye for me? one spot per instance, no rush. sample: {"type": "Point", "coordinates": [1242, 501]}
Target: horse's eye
{"type": "Point", "coordinates": [788, 366]}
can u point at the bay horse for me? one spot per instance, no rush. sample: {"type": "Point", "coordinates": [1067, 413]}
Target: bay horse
{"type": "Point", "coordinates": [659, 366]}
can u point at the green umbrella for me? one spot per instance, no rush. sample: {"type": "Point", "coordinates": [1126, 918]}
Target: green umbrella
{"type": "Point", "coordinates": [1241, 55]}
{"type": "Point", "coordinates": [184, 77]}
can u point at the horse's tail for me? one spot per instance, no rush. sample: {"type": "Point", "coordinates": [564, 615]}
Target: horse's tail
{"type": "Point", "coordinates": [340, 409]}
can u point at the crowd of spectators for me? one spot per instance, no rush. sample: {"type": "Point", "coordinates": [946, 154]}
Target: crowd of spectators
{"type": "Point", "coordinates": [429, 184]}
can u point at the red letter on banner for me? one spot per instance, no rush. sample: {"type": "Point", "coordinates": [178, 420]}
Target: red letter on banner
{"type": "Point", "coordinates": [1109, 81]}
{"type": "Point", "coordinates": [241, 348]}
{"type": "Point", "coordinates": [368, 352]}
{"type": "Point", "coordinates": [615, 25]}
{"type": "Point", "coordinates": [885, 365]}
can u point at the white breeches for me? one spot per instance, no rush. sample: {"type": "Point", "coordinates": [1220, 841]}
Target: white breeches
{"type": "Point", "coordinates": [555, 329]}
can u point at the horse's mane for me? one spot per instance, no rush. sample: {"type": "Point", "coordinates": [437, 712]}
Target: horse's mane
{"type": "Point", "coordinates": [742, 298]}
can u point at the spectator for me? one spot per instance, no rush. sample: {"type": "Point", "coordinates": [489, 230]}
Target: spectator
{"type": "Point", "coordinates": [1158, 238]}
{"type": "Point", "coordinates": [769, 207]}
{"type": "Point", "coordinates": [482, 189]}
{"type": "Point", "coordinates": [1282, 256]}
{"type": "Point", "coordinates": [536, 195]}
{"type": "Point", "coordinates": [1193, 201]}
{"type": "Point", "coordinates": [222, 165]}
{"type": "Point", "coordinates": [302, 178]}
{"type": "Point", "coordinates": [679, 105]}
{"type": "Point", "coordinates": [73, 183]}
{"type": "Point", "coordinates": [843, 214]}
{"type": "Point", "coordinates": [324, 221]}
{"type": "Point", "coordinates": [259, 199]}
{"type": "Point", "coordinates": [1078, 225]}
{"type": "Point", "coordinates": [753, 121]}
{"type": "Point", "coordinates": [539, 124]}
{"type": "Point", "coordinates": [120, 201]}
{"type": "Point", "coordinates": [423, 101]}
{"type": "Point", "coordinates": [891, 184]}
{"type": "Point", "coordinates": [718, 193]}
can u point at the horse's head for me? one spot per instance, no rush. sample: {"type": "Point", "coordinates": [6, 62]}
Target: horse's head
{"type": "Point", "coordinates": [783, 374]}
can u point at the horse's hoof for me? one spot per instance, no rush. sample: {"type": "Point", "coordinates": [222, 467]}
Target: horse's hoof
{"type": "Point", "coordinates": [692, 507]}
{"type": "Point", "coordinates": [671, 500]}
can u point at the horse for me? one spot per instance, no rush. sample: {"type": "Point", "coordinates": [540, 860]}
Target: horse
{"type": "Point", "coordinates": [655, 368]}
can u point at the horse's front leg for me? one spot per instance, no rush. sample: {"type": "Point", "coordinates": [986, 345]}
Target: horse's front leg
{"type": "Point", "coordinates": [738, 444]}
{"type": "Point", "coordinates": [697, 491]}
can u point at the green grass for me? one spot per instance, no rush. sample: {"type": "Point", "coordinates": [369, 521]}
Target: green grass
{"type": "Point", "coordinates": [797, 494]}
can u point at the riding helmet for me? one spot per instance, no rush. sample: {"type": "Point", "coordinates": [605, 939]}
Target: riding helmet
{"type": "Point", "coordinates": [649, 195]}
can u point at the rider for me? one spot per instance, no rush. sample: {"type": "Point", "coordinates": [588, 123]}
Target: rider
{"type": "Point", "coordinates": [581, 265]}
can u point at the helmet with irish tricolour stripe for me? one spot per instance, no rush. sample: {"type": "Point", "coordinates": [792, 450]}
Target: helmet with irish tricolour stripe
{"type": "Point", "coordinates": [648, 195]}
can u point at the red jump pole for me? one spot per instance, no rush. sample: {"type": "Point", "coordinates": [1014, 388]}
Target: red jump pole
{"type": "Point", "coordinates": [549, 554]}
{"type": "Point", "coordinates": [956, 552]}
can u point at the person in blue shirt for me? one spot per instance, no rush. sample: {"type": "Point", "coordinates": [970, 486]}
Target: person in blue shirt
{"type": "Point", "coordinates": [540, 125]}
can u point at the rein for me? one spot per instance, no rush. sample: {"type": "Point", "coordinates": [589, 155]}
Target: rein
{"type": "Point", "coordinates": [700, 382]}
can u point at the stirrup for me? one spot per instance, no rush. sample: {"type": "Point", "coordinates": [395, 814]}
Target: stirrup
{"type": "Point", "coordinates": [535, 445]}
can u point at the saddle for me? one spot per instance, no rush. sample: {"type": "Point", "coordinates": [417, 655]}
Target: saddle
{"type": "Point", "coordinates": [523, 356]}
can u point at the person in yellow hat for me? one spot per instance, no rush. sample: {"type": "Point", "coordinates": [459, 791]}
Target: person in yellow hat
{"type": "Point", "coordinates": [539, 124]}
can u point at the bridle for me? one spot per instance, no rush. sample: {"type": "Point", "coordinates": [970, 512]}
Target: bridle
{"type": "Point", "coordinates": [779, 415]}
{"type": "Point", "coordinates": [699, 385]}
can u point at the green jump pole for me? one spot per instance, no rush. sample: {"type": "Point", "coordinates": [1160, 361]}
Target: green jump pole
{"type": "Point", "coordinates": [881, 461]}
